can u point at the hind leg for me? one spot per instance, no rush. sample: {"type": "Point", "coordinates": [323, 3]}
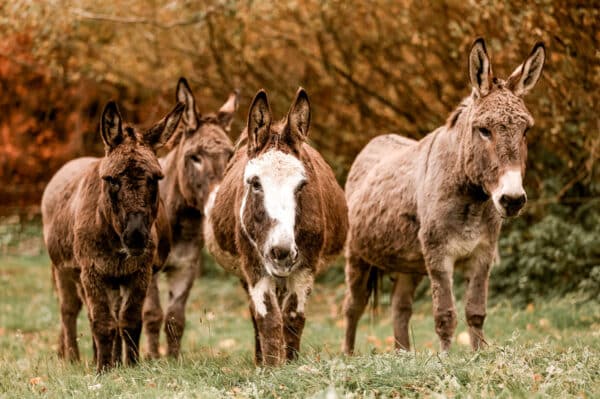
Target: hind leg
{"type": "Point", "coordinates": [402, 301]}
{"type": "Point", "coordinates": [181, 280]}
{"type": "Point", "coordinates": [153, 317]}
{"type": "Point", "coordinates": [357, 296]}
{"type": "Point", "coordinates": [70, 305]}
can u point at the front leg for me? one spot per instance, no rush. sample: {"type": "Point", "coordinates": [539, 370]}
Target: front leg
{"type": "Point", "coordinates": [269, 321]}
{"type": "Point", "coordinates": [130, 317]}
{"type": "Point", "coordinates": [103, 325]}
{"type": "Point", "coordinates": [181, 279]}
{"type": "Point", "coordinates": [440, 268]}
{"type": "Point", "coordinates": [152, 314]}
{"type": "Point", "coordinates": [299, 287]}
{"type": "Point", "coordinates": [478, 274]}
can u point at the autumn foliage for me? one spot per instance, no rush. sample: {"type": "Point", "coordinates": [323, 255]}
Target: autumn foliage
{"type": "Point", "coordinates": [369, 68]}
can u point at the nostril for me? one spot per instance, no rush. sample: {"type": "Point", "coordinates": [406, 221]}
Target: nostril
{"type": "Point", "coordinates": [280, 253]}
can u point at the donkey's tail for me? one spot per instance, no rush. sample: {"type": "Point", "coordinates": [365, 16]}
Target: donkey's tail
{"type": "Point", "coordinates": [373, 285]}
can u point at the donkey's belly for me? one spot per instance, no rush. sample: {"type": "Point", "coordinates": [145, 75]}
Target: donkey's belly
{"type": "Point", "coordinates": [228, 261]}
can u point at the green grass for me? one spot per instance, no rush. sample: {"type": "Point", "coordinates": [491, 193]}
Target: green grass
{"type": "Point", "coordinates": [549, 349]}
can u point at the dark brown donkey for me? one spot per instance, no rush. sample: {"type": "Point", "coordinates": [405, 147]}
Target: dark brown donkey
{"type": "Point", "coordinates": [106, 231]}
{"type": "Point", "coordinates": [424, 207]}
{"type": "Point", "coordinates": [192, 169]}
{"type": "Point", "coordinates": [276, 218]}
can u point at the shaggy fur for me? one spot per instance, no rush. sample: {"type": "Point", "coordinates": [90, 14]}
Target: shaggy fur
{"type": "Point", "coordinates": [424, 207]}
{"type": "Point", "coordinates": [192, 169]}
{"type": "Point", "coordinates": [106, 231]}
{"type": "Point", "coordinates": [240, 222]}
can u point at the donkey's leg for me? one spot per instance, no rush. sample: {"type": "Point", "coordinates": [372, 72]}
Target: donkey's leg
{"type": "Point", "coordinates": [103, 325]}
{"type": "Point", "coordinates": [357, 297]}
{"type": "Point", "coordinates": [257, 351]}
{"type": "Point", "coordinates": [181, 279]}
{"type": "Point", "coordinates": [70, 305]}
{"type": "Point", "coordinates": [476, 297]}
{"type": "Point", "coordinates": [293, 325]}
{"type": "Point", "coordinates": [269, 321]}
{"type": "Point", "coordinates": [116, 300]}
{"type": "Point", "coordinates": [440, 269]}
{"type": "Point", "coordinates": [152, 314]}
{"type": "Point", "coordinates": [130, 317]}
{"type": "Point", "coordinates": [258, 359]}
{"type": "Point", "coordinates": [402, 301]}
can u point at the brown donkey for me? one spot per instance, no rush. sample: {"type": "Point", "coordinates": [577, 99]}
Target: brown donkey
{"type": "Point", "coordinates": [192, 169]}
{"type": "Point", "coordinates": [424, 207]}
{"type": "Point", "coordinates": [276, 218]}
{"type": "Point", "coordinates": [106, 231]}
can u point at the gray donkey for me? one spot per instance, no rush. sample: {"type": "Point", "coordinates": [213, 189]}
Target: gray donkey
{"type": "Point", "coordinates": [424, 207]}
{"type": "Point", "coordinates": [106, 231]}
{"type": "Point", "coordinates": [195, 165]}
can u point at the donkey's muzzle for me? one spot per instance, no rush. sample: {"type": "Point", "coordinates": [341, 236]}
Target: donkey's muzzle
{"type": "Point", "coordinates": [283, 258]}
{"type": "Point", "coordinates": [135, 236]}
{"type": "Point", "coordinates": [513, 204]}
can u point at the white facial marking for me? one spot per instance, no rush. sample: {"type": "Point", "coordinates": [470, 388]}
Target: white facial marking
{"type": "Point", "coordinates": [264, 286]}
{"type": "Point", "coordinates": [279, 175]}
{"type": "Point", "coordinates": [510, 184]}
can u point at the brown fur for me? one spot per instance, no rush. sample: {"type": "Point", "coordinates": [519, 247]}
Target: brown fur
{"type": "Point", "coordinates": [106, 231]}
{"type": "Point", "coordinates": [319, 232]}
{"type": "Point", "coordinates": [192, 169]}
{"type": "Point", "coordinates": [424, 208]}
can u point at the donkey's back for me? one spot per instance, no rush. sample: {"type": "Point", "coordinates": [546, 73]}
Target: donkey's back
{"type": "Point", "coordinates": [58, 205]}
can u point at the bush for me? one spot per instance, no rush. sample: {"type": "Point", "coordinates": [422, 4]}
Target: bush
{"type": "Point", "coordinates": [557, 255]}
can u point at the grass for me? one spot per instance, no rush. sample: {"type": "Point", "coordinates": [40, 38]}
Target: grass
{"type": "Point", "coordinates": [548, 349]}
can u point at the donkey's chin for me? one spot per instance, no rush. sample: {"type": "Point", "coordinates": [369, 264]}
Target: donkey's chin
{"type": "Point", "coordinates": [277, 271]}
{"type": "Point", "coordinates": [504, 214]}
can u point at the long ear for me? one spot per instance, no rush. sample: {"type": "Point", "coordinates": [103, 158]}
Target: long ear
{"type": "Point", "coordinates": [111, 126]}
{"type": "Point", "coordinates": [259, 123]}
{"type": "Point", "coordinates": [524, 78]}
{"type": "Point", "coordinates": [160, 133]}
{"type": "Point", "coordinates": [227, 111]}
{"type": "Point", "coordinates": [480, 68]}
{"type": "Point", "coordinates": [185, 95]}
{"type": "Point", "coordinates": [298, 120]}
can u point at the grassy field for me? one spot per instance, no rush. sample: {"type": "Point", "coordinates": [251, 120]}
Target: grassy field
{"type": "Point", "coordinates": [548, 349]}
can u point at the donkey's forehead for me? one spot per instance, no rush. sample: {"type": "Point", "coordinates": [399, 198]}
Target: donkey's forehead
{"type": "Point", "coordinates": [210, 138]}
{"type": "Point", "coordinates": [276, 166]}
{"type": "Point", "coordinates": [130, 160]}
{"type": "Point", "coordinates": [502, 107]}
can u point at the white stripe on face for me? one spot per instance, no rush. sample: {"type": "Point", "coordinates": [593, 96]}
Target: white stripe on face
{"type": "Point", "coordinates": [279, 174]}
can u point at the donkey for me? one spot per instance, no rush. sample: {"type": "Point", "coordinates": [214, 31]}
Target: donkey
{"type": "Point", "coordinates": [275, 221]}
{"type": "Point", "coordinates": [425, 207]}
{"type": "Point", "coordinates": [192, 168]}
{"type": "Point", "coordinates": [107, 231]}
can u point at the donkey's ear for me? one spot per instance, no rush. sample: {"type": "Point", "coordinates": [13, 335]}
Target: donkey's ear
{"type": "Point", "coordinates": [227, 111]}
{"type": "Point", "coordinates": [111, 126]}
{"type": "Point", "coordinates": [524, 78]}
{"type": "Point", "coordinates": [259, 123]}
{"type": "Point", "coordinates": [298, 119]}
{"type": "Point", "coordinates": [162, 131]}
{"type": "Point", "coordinates": [185, 95]}
{"type": "Point", "coordinates": [480, 68]}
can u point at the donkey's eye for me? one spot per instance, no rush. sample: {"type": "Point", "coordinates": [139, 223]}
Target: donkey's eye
{"type": "Point", "coordinates": [255, 184]}
{"type": "Point", "coordinates": [113, 184]}
{"type": "Point", "coordinates": [300, 186]}
{"type": "Point", "coordinates": [196, 159]}
{"type": "Point", "coordinates": [485, 133]}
